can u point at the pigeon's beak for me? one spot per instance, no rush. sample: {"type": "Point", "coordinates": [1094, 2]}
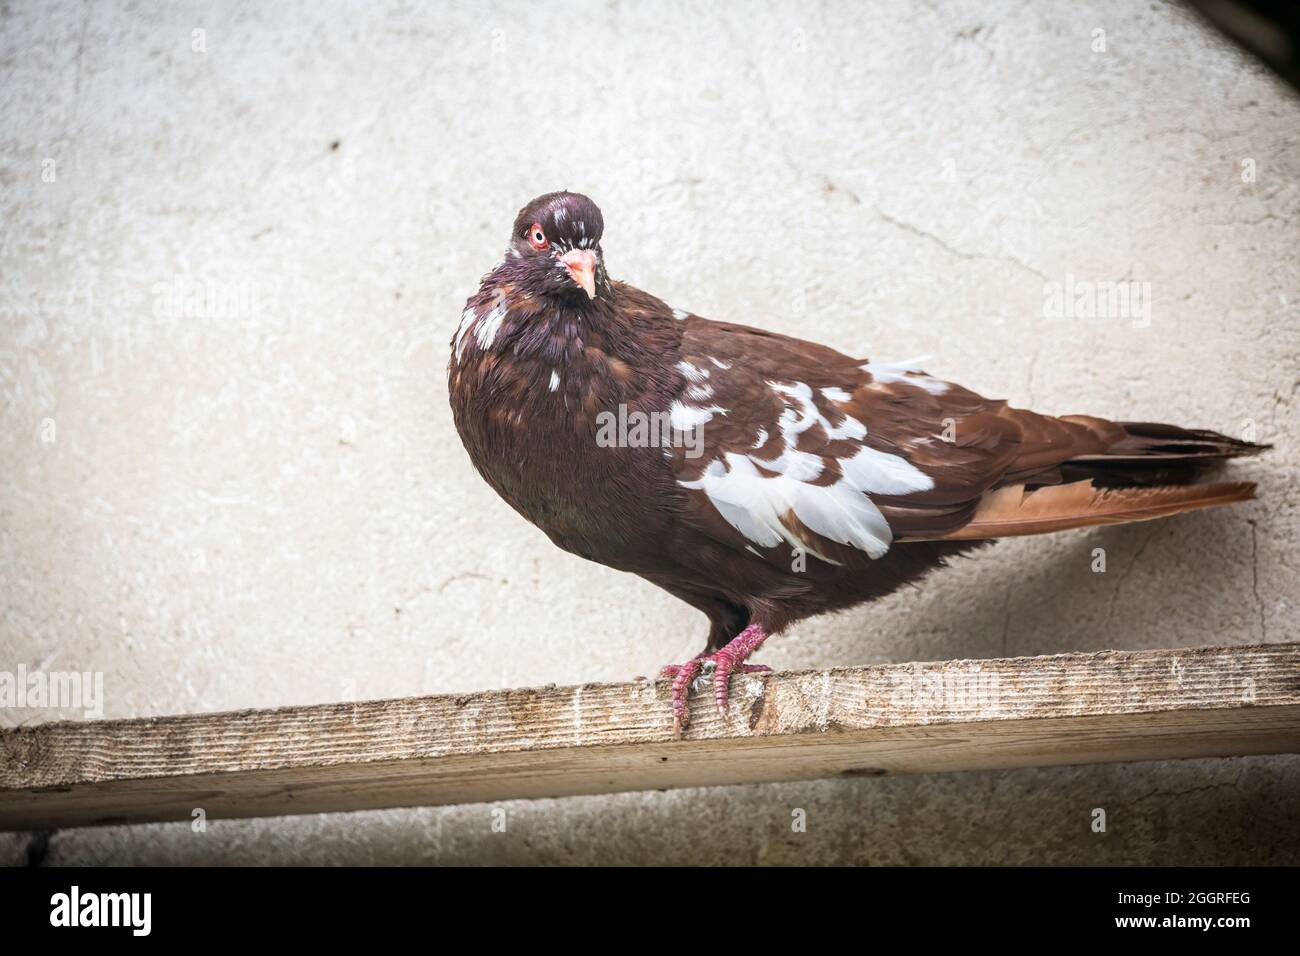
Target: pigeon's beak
{"type": "Point", "coordinates": [581, 264]}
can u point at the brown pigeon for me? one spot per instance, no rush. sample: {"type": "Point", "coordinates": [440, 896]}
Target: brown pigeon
{"type": "Point", "coordinates": [761, 478]}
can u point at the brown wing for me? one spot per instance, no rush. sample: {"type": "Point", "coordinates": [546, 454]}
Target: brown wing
{"type": "Point", "coordinates": [799, 446]}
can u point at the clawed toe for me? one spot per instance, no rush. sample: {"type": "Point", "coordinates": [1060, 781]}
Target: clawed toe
{"type": "Point", "coordinates": [719, 666]}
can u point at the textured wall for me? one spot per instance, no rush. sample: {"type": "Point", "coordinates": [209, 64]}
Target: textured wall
{"type": "Point", "coordinates": [231, 262]}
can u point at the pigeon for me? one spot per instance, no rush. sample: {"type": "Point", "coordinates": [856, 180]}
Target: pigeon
{"type": "Point", "coordinates": [762, 478]}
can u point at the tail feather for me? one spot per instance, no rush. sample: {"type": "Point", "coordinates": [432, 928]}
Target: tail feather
{"type": "Point", "coordinates": [1145, 454]}
{"type": "Point", "coordinates": [1016, 510]}
{"type": "Point", "coordinates": [1172, 438]}
{"type": "Point", "coordinates": [1153, 440]}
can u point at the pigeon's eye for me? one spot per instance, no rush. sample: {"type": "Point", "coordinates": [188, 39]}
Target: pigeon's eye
{"type": "Point", "coordinates": [537, 237]}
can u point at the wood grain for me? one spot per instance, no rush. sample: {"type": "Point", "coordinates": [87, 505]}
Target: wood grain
{"type": "Point", "coordinates": [600, 738]}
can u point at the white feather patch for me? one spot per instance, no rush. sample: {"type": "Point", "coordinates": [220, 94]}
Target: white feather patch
{"type": "Point", "coordinates": [692, 373]}
{"type": "Point", "coordinates": [686, 418]}
{"type": "Point", "coordinates": [485, 333]}
{"type": "Point", "coordinates": [886, 372]}
{"type": "Point", "coordinates": [801, 414]}
{"type": "Point", "coordinates": [755, 505]}
{"type": "Point", "coordinates": [758, 503]}
{"type": "Point", "coordinates": [880, 473]}
{"type": "Point", "coordinates": [466, 320]}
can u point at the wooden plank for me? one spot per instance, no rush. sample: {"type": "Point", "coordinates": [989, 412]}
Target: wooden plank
{"type": "Point", "coordinates": [600, 738]}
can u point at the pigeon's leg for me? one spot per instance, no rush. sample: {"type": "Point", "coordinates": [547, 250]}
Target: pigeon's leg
{"type": "Point", "coordinates": [725, 661]}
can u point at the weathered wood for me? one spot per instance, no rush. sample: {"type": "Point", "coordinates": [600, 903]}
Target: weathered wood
{"type": "Point", "coordinates": [599, 738]}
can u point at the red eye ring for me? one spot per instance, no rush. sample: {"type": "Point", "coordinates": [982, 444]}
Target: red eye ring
{"type": "Point", "coordinates": [537, 238]}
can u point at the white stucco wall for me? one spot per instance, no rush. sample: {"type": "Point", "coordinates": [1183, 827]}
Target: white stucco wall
{"type": "Point", "coordinates": [261, 500]}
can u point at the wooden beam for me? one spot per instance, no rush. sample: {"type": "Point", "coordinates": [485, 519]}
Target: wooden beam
{"type": "Point", "coordinates": [601, 738]}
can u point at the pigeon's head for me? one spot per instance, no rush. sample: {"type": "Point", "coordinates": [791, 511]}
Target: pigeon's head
{"type": "Point", "coordinates": [557, 240]}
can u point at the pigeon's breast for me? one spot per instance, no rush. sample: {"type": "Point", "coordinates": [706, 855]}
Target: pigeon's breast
{"type": "Point", "coordinates": [545, 434]}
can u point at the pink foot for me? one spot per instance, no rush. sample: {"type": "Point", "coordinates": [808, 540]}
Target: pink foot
{"type": "Point", "coordinates": [725, 661]}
